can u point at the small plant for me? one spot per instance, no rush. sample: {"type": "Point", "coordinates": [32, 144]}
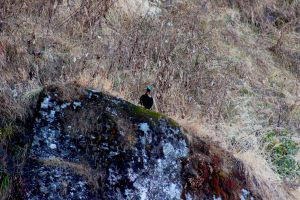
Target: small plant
{"type": "Point", "coordinates": [6, 132]}
{"type": "Point", "coordinates": [282, 150]}
{"type": "Point", "coordinates": [245, 92]}
{"type": "Point", "coordinates": [4, 183]}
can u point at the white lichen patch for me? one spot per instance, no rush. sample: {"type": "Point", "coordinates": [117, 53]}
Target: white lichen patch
{"type": "Point", "coordinates": [49, 143]}
{"type": "Point", "coordinates": [45, 103]}
{"type": "Point", "coordinates": [144, 127]}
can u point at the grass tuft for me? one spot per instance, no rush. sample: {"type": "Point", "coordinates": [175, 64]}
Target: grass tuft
{"type": "Point", "coordinates": [6, 132]}
{"type": "Point", "coordinates": [4, 183]}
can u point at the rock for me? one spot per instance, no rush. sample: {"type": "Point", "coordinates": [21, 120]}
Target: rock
{"type": "Point", "coordinates": [143, 161]}
{"type": "Point", "coordinates": [54, 187]}
{"type": "Point", "coordinates": [53, 146]}
{"type": "Point", "coordinates": [76, 104]}
{"type": "Point", "coordinates": [108, 149]}
{"type": "Point", "coordinates": [42, 173]}
{"type": "Point", "coordinates": [45, 103]}
{"type": "Point", "coordinates": [44, 189]}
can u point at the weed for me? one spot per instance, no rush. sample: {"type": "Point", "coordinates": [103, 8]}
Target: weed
{"type": "Point", "coordinates": [245, 92]}
{"type": "Point", "coordinates": [4, 183]}
{"type": "Point", "coordinates": [6, 132]}
{"type": "Point", "coordinates": [282, 150]}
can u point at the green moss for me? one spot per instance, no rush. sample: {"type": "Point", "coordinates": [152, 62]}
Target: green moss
{"type": "Point", "coordinates": [145, 112]}
{"type": "Point", "coordinates": [141, 113]}
{"type": "Point", "coordinates": [155, 116]}
{"type": "Point", "coordinates": [173, 123]}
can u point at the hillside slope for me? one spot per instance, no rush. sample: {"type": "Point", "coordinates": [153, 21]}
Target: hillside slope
{"type": "Point", "coordinates": [227, 70]}
{"type": "Point", "coordinates": [96, 146]}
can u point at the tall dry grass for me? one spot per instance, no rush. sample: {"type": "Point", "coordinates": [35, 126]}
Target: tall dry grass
{"type": "Point", "coordinates": [210, 66]}
{"type": "Point", "coordinates": [230, 66]}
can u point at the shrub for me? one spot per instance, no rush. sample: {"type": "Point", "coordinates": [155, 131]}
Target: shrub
{"type": "Point", "coordinates": [282, 150]}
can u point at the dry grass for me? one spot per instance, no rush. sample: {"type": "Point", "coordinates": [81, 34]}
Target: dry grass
{"type": "Point", "coordinates": [91, 175]}
{"type": "Point", "coordinates": [263, 178]}
{"type": "Point", "coordinates": [231, 66]}
{"type": "Point", "coordinates": [264, 181]}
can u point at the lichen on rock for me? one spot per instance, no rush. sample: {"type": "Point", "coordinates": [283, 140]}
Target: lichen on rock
{"type": "Point", "coordinates": [133, 157]}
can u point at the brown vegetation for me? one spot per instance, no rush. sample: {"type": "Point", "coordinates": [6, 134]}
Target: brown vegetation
{"type": "Point", "coordinates": [84, 170]}
{"type": "Point", "coordinates": [210, 171]}
{"type": "Point", "coordinates": [231, 65]}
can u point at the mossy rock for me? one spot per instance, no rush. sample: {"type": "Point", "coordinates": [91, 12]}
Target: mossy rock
{"type": "Point", "coordinates": [147, 115]}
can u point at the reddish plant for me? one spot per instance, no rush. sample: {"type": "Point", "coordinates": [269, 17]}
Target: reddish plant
{"type": "Point", "coordinates": [211, 172]}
